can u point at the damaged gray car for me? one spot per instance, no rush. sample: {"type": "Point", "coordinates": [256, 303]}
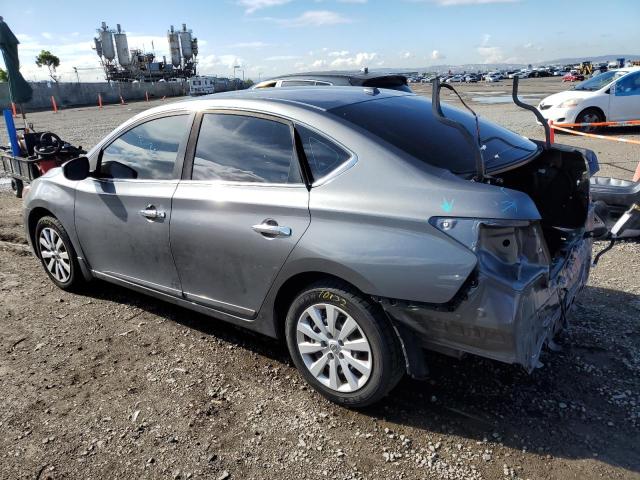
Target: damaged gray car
{"type": "Point", "coordinates": [361, 225]}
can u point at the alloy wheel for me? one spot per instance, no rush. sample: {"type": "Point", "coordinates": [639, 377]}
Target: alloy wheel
{"type": "Point", "coordinates": [334, 348]}
{"type": "Point", "coordinates": [55, 254]}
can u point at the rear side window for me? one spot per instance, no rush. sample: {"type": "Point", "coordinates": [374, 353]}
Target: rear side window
{"type": "Point", "coordinates": [323, 156]}
{"type": "Point", "coordinates": [146, 152]}
{"type": "Point", "coordinates": [241, 148]}
{"type": "Point", "coordinates": [407, 122]}
{"type": "Point", "coordinates": [297, 83]}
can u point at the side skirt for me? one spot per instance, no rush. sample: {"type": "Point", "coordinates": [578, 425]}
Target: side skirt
{"type": "Point", "coordinates": [254, 325]}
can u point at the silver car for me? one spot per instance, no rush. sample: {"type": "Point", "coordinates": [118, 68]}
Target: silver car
{"type": "Point", "coordinates": [348, 221]}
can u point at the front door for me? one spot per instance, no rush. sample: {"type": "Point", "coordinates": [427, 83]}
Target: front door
{"type": "Point", "coordinates": [123, 212]}
{"type": "Point", "coordinates": [240, 213]}
{"type": "Point", "coordinates": [624, 100]}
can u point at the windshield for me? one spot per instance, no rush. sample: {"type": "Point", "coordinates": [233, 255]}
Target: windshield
{"type": "Point", "coordinates": [599, 81]}
{"type": "Point", "coordinates": [407, 122]}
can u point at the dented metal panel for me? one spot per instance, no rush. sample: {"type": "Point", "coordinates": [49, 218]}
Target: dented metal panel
{"type": "Point", "coordinates": [501, 317]}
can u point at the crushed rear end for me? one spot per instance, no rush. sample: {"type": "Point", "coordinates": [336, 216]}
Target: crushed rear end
{"type": "Point", "coordinates": [528, 273]}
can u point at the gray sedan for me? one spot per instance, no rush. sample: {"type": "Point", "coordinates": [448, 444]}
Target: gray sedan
{"type": "Point", "coordinates": [348, 221]}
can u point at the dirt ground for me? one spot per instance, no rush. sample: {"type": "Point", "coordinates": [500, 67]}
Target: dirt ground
{"type": "Point", "coordinates": [113, 384]}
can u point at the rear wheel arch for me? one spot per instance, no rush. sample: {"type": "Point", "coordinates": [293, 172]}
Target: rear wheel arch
{"type": "Point", "coordinates": [290, 289]}
{"type": "Point", "coordinates": [294, 285]}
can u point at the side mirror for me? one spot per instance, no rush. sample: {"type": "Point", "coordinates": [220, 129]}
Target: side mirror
{"type": "Point", "coordinates": [76, 169]}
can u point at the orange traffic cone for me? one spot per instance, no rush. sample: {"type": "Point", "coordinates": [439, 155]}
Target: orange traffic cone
{"type": "Point", "coordinates": [636, 176]}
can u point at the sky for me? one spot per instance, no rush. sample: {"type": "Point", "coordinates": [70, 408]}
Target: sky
{"type": "Point", "coordinates": [271, 37]}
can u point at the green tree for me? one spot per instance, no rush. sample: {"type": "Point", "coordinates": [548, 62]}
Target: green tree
{"type": "Point", "coordinates": [48, 59]}
{"type": "Point", "coordinates": [3, 76]}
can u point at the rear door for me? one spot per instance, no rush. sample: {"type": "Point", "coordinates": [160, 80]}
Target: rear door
{"type": "Point", "coordinates": [123, 213]}
{"type": "Point", "coordinates": [239, 211]}
{"type": "Point", "coordinates": [624, 101]}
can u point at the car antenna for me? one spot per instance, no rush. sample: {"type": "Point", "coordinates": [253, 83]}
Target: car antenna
{"type": "Point", "coordinates": [475, 143]}
{"type": "Point", "coordinates": [531, 108]}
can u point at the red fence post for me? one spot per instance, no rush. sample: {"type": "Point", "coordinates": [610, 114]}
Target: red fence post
{"type": "Point", "coordinates": [13, 110]}
{"type": "Point", "coordinates": [552, 133]}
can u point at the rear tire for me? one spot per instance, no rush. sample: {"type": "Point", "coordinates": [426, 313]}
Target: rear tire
{"type": "Point", "coordinates": [343, 344]}
{"type": "Point", "coordinates": [17, 186]}
{"type": "Point", "coordinates": [57, 254]}
{"type": "Point", "coordinates": [589, 115]}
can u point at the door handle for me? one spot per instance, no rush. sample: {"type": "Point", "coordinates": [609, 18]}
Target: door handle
{"type": "Point", "coordinates": [151, 213]}
{"type": "Point", "coordinates": [271, 229]}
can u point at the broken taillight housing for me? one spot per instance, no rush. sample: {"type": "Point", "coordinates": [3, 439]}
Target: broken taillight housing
{"type": "Point", "coordinates": [507, 242]}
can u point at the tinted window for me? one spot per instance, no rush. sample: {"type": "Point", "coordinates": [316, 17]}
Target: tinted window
{"type": "Point", "coordinates": [323, 155]}
{"type": "Point", "coordinates": [148, 151]}
{"type": "Point", "coordinates": [407, 122]}
{"type": "Point", "coordinates": [629, 85]}
{"type": "Point", "coordinates": [245, 149]}
{"type": "Point", "coordinates": [297, 83]}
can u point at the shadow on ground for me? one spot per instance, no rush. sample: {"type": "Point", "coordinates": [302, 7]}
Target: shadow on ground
{"type": "Point", "coordinates": [564, 409]}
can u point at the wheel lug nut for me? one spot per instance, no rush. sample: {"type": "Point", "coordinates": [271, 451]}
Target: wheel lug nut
{"type": "Point", "coordinates": [341, 343]}
{"type": "Point", "coordinates": [340, 355]}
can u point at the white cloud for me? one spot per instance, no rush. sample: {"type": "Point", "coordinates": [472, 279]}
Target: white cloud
{"type": "Point", "coordinates": [406, 55]}
{"type": "Point", "coordinates": [319, 64]}
{"type": "Point", "coordinates": [486, 38]}
{"type": "Point", "coordinates": [491, 54]}
{"type": "Point", "coordinates": [312, 18]}
{"type": "Point", "coordinates": [215, 63]}
{"type": "Point", "coordinates": [437, 55]}
{"type": "Point", "coordinates": [47, 35]}
{"type": "Point", "coordinates": [338, 53]}
{"type": "Point", "coordinates": [353, 1]}
{"type": "Point", "coordinates": [359, 60]}
{"type": "Point", "coordinates": [251, 6]}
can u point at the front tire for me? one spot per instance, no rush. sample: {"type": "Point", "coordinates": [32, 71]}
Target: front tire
{"type": "Point", "coordinates": [343, 344]}
{"type": "Point", "coordinates": [589, 115]}
{"type": "Point", "coordinates": [57, 254]}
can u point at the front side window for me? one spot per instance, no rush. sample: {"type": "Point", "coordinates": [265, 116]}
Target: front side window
{"type": "Point", "coordinates": [323, 156]}
{"type": "Point", "coordinates": [146, 152]}
{"type": "Point", "coordinates": [629, 85]}
{"type": "Point", "coordinates": [241, 148]}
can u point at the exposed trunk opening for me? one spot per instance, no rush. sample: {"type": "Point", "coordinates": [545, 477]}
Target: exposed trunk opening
{"type": "Point", "coordinates": [557, 180]}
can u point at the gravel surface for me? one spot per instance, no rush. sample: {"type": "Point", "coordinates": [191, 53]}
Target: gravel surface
{"type": "Point", "coordinates": [116, 383]}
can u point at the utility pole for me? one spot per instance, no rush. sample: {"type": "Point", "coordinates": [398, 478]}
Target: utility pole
{"type": "Point", "coordinates": [75, 69]}
{"type": "Point", "coordinates": [235, 84]}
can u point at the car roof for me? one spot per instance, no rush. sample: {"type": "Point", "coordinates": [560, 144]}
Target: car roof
{"type": "Point", "coordinates": [338, 74]}
{"type": "Point", "coordinates": [319, 98]}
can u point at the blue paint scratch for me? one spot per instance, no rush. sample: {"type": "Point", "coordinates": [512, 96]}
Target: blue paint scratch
{"type": "Point", "coordinates": [447, 205]}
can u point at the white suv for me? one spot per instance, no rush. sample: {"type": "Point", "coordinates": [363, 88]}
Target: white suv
{"type": "Point", "coordinates": [610, 96]}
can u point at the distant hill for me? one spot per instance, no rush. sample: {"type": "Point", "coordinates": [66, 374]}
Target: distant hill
{"type": "Point", "coordinates": [597, 59]}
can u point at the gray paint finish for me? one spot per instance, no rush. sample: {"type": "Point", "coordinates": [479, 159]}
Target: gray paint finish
{"type": "Point", "coordinates": [368, 224]}
{"type": "Point", "coordinates": [221, 260]}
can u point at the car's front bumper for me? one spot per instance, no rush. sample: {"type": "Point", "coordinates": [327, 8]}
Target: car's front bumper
{"type": "Point", "coordinates": [560, 115]}
{"type": "Point", "coordinates": [499, 318]}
